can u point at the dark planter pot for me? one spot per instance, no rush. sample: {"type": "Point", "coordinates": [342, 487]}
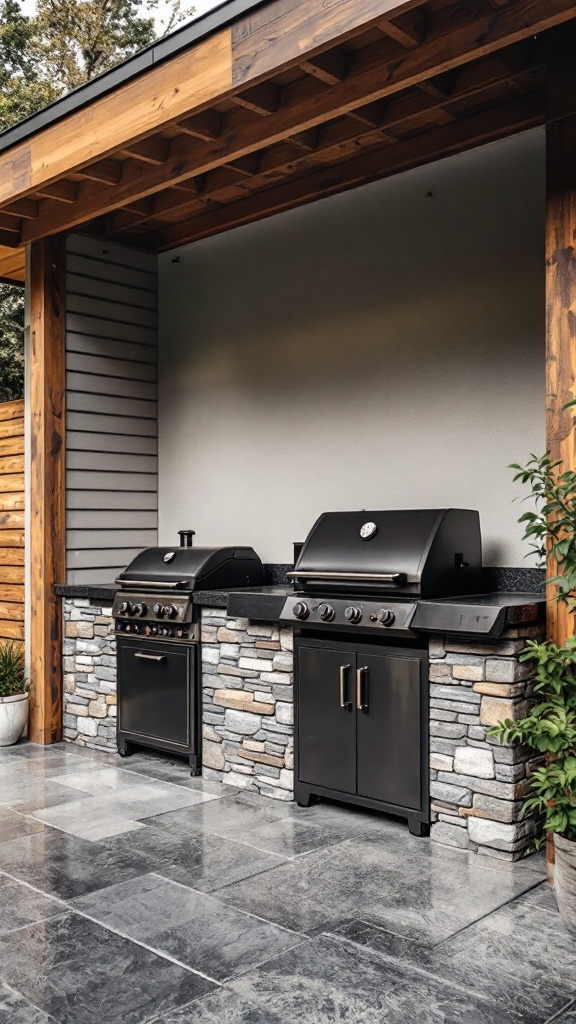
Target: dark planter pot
{"type": "Point", "coordinates": [565, 881]}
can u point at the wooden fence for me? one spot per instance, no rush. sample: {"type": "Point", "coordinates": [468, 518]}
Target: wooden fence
{"type": "Point", "coordinates": [12, 520]}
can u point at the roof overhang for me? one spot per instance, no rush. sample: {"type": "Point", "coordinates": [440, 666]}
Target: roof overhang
{"type": "Point", "coordinates": [263, 107]}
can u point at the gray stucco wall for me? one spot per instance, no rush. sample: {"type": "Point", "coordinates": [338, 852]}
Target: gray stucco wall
{"type": "Point", "coordinates": [380, 348]}
{"type": "Point", "coordinates": [111, 407]}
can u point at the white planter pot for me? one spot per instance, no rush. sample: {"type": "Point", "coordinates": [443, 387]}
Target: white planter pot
{"type": "Point", "coordinates": [13, 718]}
{"type": "Point", "coordinates": [565, 881]}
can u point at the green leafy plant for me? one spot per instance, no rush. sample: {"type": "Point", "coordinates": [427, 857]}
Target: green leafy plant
{"type": "Point", "coordinates": [551, 528]}
{"type": "Point", "coordinates": [12, 669]}
{"type": "Point", "coordinates": [549, 728]}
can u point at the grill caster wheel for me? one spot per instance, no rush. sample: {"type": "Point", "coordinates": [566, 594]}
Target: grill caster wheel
{"type": "Point", "coordinates": [125, 749]}
{"type": "Point", "coordinates": [195, 766]}
{"type": "Point", "coordinates": [418, 828]}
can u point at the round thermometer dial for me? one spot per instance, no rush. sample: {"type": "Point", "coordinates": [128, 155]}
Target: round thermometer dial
{"type": "Point", "coordinates": [368, 530]}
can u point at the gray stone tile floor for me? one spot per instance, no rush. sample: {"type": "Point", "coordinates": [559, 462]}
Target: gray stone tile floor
{"type": "Point", "coordinates": [131, 893]}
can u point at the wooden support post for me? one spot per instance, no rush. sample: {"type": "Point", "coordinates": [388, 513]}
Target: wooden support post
{"type": "Point", "coordinates": [560, 311]}
{"type": "Point", "coordinates": [46, 543]}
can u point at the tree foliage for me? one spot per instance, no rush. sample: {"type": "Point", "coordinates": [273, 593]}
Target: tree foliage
{"type": "Point", "coordinates": [11, 342]}
{"type": "Point", "coordinates": [66, 43]}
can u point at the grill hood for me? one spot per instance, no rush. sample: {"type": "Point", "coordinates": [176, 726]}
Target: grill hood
{"type": "Point", "coordinates": [418, 552]}
{"type": "Point", "coordinates": [189, 568]}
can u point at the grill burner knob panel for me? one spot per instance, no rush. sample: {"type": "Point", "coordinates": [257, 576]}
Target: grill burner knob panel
{"type": "Point", "coordinates": [385, 616]}
{"type": "Point", "coordinates": [326, 612]}
{"type": "Point", "coordinates": [300, 610]}
{"type": "Point", "coordinates": [353, 613]}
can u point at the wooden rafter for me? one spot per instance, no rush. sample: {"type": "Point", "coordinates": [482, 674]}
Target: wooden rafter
{"type": "Point", "coordinates": [374, 76]}
{"type": "Point", "coordinates": [516, 116]}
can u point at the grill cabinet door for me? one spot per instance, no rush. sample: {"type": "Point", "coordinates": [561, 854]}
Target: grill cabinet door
{"type": "Point", "coordinates": [389, 730]}
{"type": "Point", "coordinates": [326, 731]}
{"type": "Point", "coordinates": [154, 691]}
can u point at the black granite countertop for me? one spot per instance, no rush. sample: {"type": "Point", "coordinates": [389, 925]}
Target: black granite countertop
{"type": "Point", "coordinates": [93, 591]}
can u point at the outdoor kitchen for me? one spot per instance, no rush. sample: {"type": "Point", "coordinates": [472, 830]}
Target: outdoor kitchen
{"type": "Point", "coordinates": [212, 674]}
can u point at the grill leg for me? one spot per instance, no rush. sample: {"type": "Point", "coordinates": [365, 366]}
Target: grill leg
{"type": "Point", "coordinates": [303, 796]}
{"type": "Point", "coordinates": [195, 765]}
{"type": "Point", "coordinates": [418, 828]}
{"type": "Point", "coordinates": [125, 748]}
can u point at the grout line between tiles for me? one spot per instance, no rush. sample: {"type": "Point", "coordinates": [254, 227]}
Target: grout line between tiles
{"type": "Point", "coordinates": [21, 995]}
{"type": "Point", "coordinates": [410, 968]}
{"type": "Point", "coordinates": [237, 910]}
{"type": "Point", "coordinates": [67, 908]}
{"type": "Point", "coordinates": [489, 913]}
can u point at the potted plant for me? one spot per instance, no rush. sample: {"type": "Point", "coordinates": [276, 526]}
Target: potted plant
{"type": "Point", "coordinates": [550, 726]}
{"type": "Point", "coordinates": [13, 693]}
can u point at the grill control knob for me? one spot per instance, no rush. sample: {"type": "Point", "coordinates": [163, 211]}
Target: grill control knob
{"type": "Point", "coordinates": [140, 609]}
{"type": "Point", "coordinates": [300, 610]}
{"type": "Point", "coordinates": [326, 612]}
{"type": "Point", "coordinates": [385, 616]}
{"type": "Point", "coordinates": [125, 608]}
{"type": "Point", "coordinates": [353, 613]}
{"type": "Point", "coordinates": [171, 611]}
{"type": "Point", "coordinates": [158, 610]}
{"type": "Point", "coordinates": [143, 608]}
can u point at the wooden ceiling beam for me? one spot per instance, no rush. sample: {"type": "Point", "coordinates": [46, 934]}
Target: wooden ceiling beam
{"type": "Point", "coordinates": [262, 99]}
{"type": "Point", "coordinates": [408, 30]}
{"type": "Point", "coordinates": [105, 172]}
{"type": "Point", "coordinates": [257, 46]}
{"type": "Point", "coordinates": [152, 150]}
{"type": "Point", "coordinates": [516, 116]}
{"type": "Point", "coordinates": [12, 264]}
{"type": "Point", "coordinates": [206, 126]}
{"type": "Point", "coordinates": [473, 36]}
{"type": "Point", "coordinates": [27, 209]}
{"type": "Point", "coordinates": [330, 67]}
{"type": "Point", "coordinates": [63, 191]}
{"type": "Point", "coordinates": [401, 114]}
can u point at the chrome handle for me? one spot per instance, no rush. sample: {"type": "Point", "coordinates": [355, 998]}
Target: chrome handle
{"type": "Point", "coordinates": [343, 702]}
{"type": "Point", "coordinates": [149, 583]}
{"type": "Point", "coordinates": [150, 657]}
{"type": "Point", "coordinates": [380, 577]}
{"type": "Point", "coordinates": [359, 676]}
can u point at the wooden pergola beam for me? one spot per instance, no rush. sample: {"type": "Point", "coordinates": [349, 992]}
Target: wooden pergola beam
{"type": "Point", "coordinates": [372, 78]}
{"type": "Point", "coordinates": [12, 265]}
{"type": "Point", "coordinates": [515, 116]}
{"type": "Point", "coordinates": [47, 268]}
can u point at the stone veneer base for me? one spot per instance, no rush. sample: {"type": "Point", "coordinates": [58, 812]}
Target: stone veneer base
{"type": "Point", "coordinates": [477, 786]}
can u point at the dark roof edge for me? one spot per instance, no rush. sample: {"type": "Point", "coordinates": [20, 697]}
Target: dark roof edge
{"type": "Point", "coordinates": [133, 66]}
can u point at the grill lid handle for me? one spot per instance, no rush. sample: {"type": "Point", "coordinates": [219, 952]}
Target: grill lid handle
{"type": "Point", "coordinates": [376, 577]}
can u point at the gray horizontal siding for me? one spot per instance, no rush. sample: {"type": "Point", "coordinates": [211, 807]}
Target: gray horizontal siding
{"type": "Point", "coordinates": [111, 402]}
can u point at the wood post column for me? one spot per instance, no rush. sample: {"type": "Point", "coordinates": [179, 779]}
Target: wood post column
{"type": "Point", "coordinates": [560, 292]}
{"type": "Point", "coordinates": [46, 542]}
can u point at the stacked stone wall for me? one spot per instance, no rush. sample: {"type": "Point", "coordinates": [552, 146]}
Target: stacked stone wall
{"type": "Point", "coordinates": [248, 704]}
{"type": "Point", "coordinates": [478, 786]}
{"type": "Point", "coordinates": [89, 674]}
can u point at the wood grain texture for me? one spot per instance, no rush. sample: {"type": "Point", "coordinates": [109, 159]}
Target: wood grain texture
{"type": "Point", "coordinates": [169, 91]}
{"type": "Point", "coordinates": [12, 265]}
{"type": "Point", "coordinates": [47, 511]}
{"type": "Point", "coordinates": [560, 317]}
{"type": "Point", "coordinates": [11, 519]}
{"type": "Point", "coordinates": [447, 46]}
{"type": "Point", "coordinates": [379, 163]}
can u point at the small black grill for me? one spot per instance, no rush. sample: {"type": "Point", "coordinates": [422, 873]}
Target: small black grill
{"type": "Point", "coordinates": [157, 626]}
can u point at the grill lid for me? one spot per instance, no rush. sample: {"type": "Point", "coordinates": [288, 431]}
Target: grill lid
{"type": "Point", "coordinates": [414, 551]}
{"type": "Point", "coordinates": [189, 568]}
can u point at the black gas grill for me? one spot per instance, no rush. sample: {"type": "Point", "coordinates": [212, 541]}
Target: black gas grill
{"type": "Point", "coordinates": [361, 666]}
{"type": "Point", "coordinates": [157, 627]}
{"type": "Point", "coordinates": [366, 571]}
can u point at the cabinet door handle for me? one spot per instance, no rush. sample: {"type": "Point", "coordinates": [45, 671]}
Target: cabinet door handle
{"type": "Point", "coordinates": [150, 657]}
{"type": "Point", "coordinates": [343, 702]}
{"type": "Point", "coordinates": [359, 677]}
